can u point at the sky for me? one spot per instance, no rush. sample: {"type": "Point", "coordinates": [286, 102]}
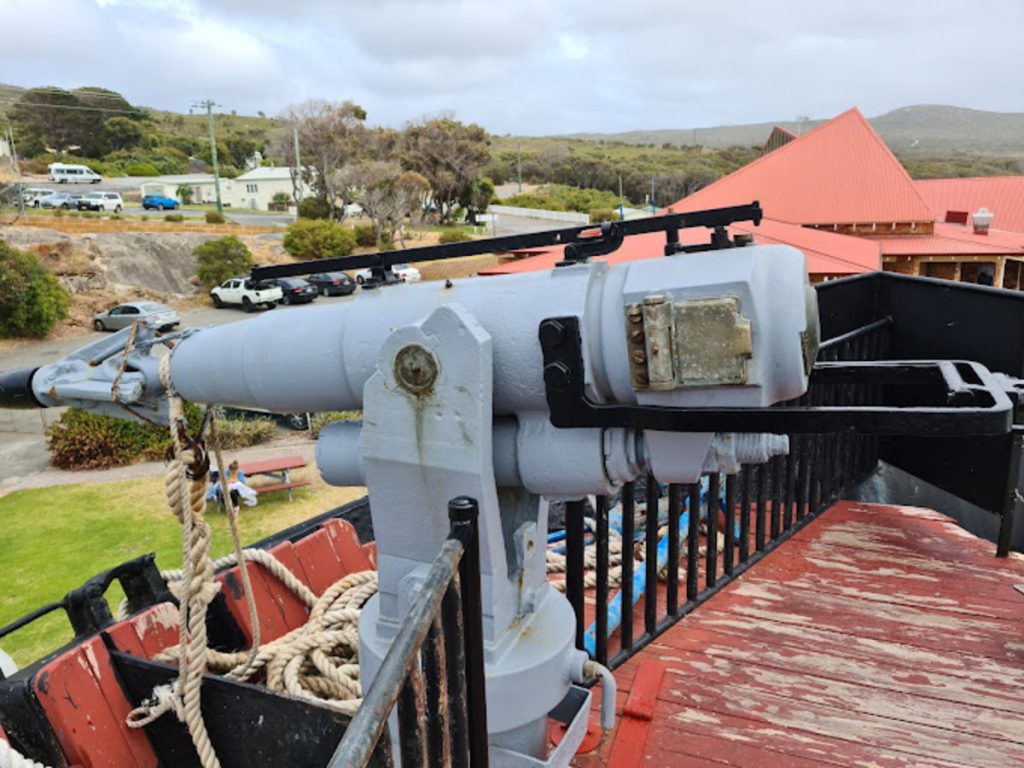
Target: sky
{"type": "Point", "coordinates": [529, 67]}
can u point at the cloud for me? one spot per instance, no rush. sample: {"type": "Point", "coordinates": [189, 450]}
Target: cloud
{"type": "Point", "coordinates": [532, 66]}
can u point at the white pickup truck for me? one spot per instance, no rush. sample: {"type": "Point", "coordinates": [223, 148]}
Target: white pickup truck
{"type": "Point", "coordinates": [241, 291]}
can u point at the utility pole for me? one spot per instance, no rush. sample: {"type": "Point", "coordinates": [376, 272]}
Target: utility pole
{"type": "Point", "coordinates": [622, 212]}
{"type": "Point", "coordinates": [654, 204]}
{"type": "Point", "coordinates": [519, 165]}
{"type": "Point", "coordinates": [208, 105]}
{"type": "Point", "coordinates": [298, 167]}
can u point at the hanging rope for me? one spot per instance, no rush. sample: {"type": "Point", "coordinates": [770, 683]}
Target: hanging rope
{"type": "Point", "coordinates": [185, 488]}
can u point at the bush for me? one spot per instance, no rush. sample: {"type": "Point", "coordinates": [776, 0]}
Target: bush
{"type": "Point", "coordinates": [215, 217]}
{"type": "Point", "coordinates": [217, 260]}
{"type": "Point", "coordinates": [281, 198]}
{"type": "Point", "coordinates": [141, 169]}
{"type": "Point", "coordinates": [597, 215]}
{"type": "Point", "coordinates": [318, 421]}
{"type": "Point", "coordinates": [241, 433]}
{"type": "Point", "coordinates": [174, 217]}
{"type": "Point", "coordinates": [453, 236]}
{"type": "Point", "coordinates": [314, 208]}
{"type": "Point", "coordinates": [83, 440]}
{"type": "Point", "coordinates": [308, 238]}
{"type": "Point", "coordinates": [365, 236]}
{"type": "Point", "coordinates": [31, 299]}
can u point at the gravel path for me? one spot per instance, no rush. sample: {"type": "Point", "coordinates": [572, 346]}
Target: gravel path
{"type": "Point", "coordinates": [287, 445]}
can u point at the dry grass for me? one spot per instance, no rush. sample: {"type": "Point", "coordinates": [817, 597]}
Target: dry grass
{"type": "Point", "coordinates": [77, 225]}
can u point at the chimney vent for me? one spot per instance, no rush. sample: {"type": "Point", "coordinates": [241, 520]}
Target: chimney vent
{"type": "Point", "coordinates": [982, 220]}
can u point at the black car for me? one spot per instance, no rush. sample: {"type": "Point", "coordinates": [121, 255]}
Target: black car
{"type": "Point", "coordinates": [296, 290]}
{"type": "Point", "coordinates": [333, 283]}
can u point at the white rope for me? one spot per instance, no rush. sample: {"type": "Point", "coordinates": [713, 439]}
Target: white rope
{"type": "Point", "coordinates": [11, 758]}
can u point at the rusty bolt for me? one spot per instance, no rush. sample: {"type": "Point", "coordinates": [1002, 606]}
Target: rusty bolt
{"type": "Point", "coordinates": [637, 336]}
{"type": "Point", "coordinates": [640, 377]}
{"type": "Point", "coordinates": [655, 350]}
{"type": "Point", "coordinates": [635, 315]}
{"type": "Point", "coordinates": [639, 357]}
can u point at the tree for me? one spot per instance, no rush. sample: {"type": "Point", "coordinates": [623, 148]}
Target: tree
{"type": "Point", "coordinates": [32, 300]}
{"type": "Point", "coordinates": [330, 136]}
{"type": "Point", "coordinates": [318, 239]}
{"type": "Point", "coordinates": [449, 155]}
{"type": "Point", "coordinates": [123, 133]}
{"type": "Point", "coordinates": [217, 260]}
{"type": "Point", "coordinates": [477, 198]}
{"type": "Point", "coordinates": [386, 193]}
{"type": "Point", "coordinates": [53, 118]}
{"type": "Point", "coordinates": [184, 192]}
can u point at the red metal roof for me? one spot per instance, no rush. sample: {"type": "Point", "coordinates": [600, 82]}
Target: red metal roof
{"type": "Point", "coordinates": [937, 245]}
{"type": "Point", "coordinates": [840, 172]}
{"type": "Point", "coordinates": [827, 253]}
{"type": "Point", "coordinates": [1003, 195]}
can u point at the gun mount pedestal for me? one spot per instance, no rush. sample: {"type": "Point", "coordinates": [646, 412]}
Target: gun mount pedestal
{"type": "Point", "coordinates": [426, 438]}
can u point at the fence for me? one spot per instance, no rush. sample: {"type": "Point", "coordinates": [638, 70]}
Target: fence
{"type": "Point", "coordinates": [755, 510]}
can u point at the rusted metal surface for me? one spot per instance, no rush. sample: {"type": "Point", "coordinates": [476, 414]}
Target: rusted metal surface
{"type": "Point", "coordinates": [881, 636]}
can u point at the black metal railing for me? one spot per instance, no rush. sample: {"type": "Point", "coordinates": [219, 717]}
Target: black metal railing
{"type": "Point", "coordinates": [724, 524]}
{"type": "Point", "coordinates": [434, 670]}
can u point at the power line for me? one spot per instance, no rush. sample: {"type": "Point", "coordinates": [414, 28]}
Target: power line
{"type": "Point", "coordinates": [20, 103]}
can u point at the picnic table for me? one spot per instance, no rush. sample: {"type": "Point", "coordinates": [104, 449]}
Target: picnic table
{"type": "Point", "coordinates": [276, 469]}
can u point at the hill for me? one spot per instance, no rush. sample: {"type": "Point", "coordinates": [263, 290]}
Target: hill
{"type": "Point", "coordinates": [923, 128]}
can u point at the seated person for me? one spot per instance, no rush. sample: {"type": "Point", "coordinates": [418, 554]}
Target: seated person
{"type": "Point", "coordinates": [237, 486]}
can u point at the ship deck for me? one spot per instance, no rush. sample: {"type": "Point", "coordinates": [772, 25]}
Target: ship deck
{"type": "Point", "coordinates": [876, 636]}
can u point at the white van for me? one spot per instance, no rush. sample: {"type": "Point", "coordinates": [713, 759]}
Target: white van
{"type": "Point", "coordinates": [75, 174]}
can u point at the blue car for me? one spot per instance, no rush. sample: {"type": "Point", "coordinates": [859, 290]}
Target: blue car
{"type": "Point", "coordinates": [159, 202]}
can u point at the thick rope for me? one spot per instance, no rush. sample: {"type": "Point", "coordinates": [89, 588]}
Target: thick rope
{"type": "Point", "coordinates": [185, 487]}
{"type": "Point", "coordinates": [11, 758]}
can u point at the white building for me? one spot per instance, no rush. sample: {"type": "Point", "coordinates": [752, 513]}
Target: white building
{"type": "Point", "coordinates": [255, 189]}
{"type": "Point", "coordinates": [201, 184]}
{"type": "Point", "coordinates": [5, 148]}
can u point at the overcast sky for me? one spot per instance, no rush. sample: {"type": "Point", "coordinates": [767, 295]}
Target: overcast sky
{"type": "Point", "coordinates": [529, 66]}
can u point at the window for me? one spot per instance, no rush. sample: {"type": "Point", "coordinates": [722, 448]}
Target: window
{"type": "Point", "coordinates": [251, 188]}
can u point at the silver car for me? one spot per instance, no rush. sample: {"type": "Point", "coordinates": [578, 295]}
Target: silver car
{"type": "Point", "coordinates": [65, 200]}
{"type": "Point", "coordinates": [156, 315]}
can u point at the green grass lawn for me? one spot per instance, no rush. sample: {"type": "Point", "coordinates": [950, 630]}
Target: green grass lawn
{"type": "Point", "coordinates": [54, 539]}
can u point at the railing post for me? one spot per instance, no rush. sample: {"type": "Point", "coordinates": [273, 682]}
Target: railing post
{"type": "Point", "coordinates": [462, 514]}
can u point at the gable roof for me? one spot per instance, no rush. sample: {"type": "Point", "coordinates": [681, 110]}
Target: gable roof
{"type": "Point", "coordinates": [828, 253]}
{"type": "Point", "coordinates": [777, 138]}
{"type": "Point", "coordinates": [267, 173]}
{"type": "Point", "coordinates": [839, 172]}
{"type": "Point", "coordinates": [1003, 195]}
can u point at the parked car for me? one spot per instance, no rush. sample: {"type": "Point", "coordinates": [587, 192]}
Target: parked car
{"type": "Point", "coordinates": [160, 202]}
{"type": "Point", "coordinates": [65, 200]}
{"type": "Point", "coordinates": [241, 291]}
{"type": "Point", "coordinates": [32, 195]}
{"type": "Point", "coordinates": [295, 290]}
{"type": "Point", "coordinates": [82, 174]}
{"type": "Point", "coordinates": [403, 272]}
{"type": "Point", "coordinates": [408, 273]}
{"type": "Point", "coordinates": [158, 316]}
{"type": "Point", "coordinates": [333, 283]}
{"type": "Point", "coordinates": [101, 201]}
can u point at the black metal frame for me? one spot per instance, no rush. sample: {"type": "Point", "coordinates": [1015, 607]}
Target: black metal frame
{"type": "Point", "coordinates": [936, 397]}
{"type": "Point", "coordinates": [435, 675]}
{"type": "Point", "coordinates": [581, 243]}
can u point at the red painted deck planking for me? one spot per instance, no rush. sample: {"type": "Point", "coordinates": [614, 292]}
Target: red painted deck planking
{"type": "Point", "coordinates": [881, 636]}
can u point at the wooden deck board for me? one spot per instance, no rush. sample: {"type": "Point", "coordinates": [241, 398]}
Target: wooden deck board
{"type": "Point", "coordinates": [880, 636]}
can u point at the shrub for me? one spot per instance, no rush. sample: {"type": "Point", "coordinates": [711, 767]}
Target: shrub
{"type": "Point", "coordinates": [365, 236]}
{"type": "Point", "coordinates": [217, 260]}
{"type": "Point", "coordinates": [314, 208]}
{"type": "Point", "coordinates": [184, 192]}
{"type": "Point", "coordinates": [241, 433]}
{"type": "Point", "coordinates": [83, 440]}
{"type": "Point", "coordinates": [215, 217]}
{"type": "Point", "coordinates": [31, 299]}
{"type": "Point", "coordinates": [315, 239]}
{"type": "Point", "coordinates": [597, 215]}
{"type": "Point", "coordinates": [141, 169]}
{"type": "Point", "coordinates": [318, 421]}
{"type": "Point", "coordinates": [59, 213]}
{"type": "Point", "coordinates": [281, 198]}
{"type": "Point", "coordinates": [453, 236]}
{"type": "Point", "coordinates": [174, 217]}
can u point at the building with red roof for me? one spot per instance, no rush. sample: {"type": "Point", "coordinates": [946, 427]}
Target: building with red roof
{"type": "Point", "coordinates": [840, 195]}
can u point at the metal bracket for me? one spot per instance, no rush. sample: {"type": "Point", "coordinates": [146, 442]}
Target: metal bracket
{"type": "Point", "coordinates": [912, 397]}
